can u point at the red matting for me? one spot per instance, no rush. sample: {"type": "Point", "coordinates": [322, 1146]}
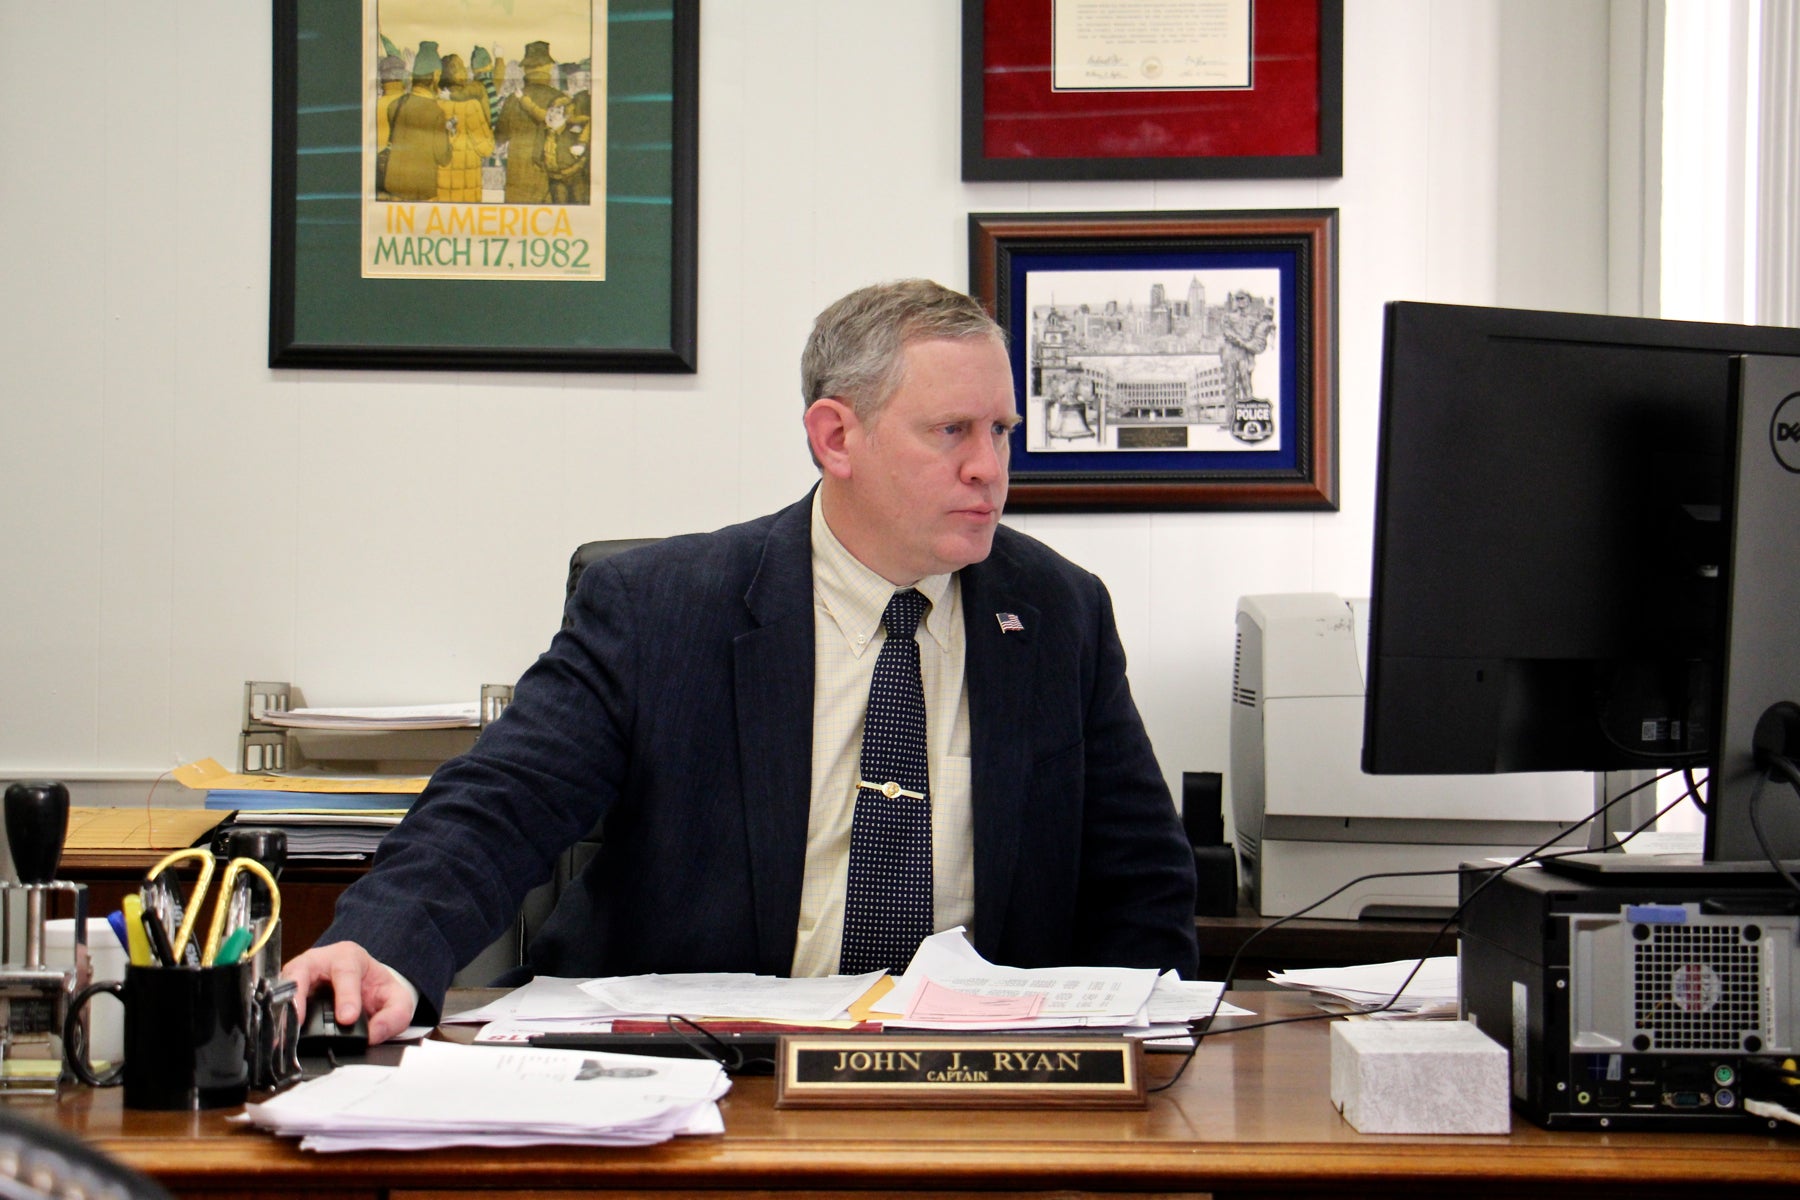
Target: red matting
{"type": "Point", "coordinates": [1278, 116]}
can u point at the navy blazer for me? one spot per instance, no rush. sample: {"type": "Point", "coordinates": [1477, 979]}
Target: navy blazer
{"type": "Point", "coordinates": [678, 706]}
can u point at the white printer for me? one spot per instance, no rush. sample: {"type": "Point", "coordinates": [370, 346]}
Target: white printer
{"type": "Point", "coordinates": [1308, 821]}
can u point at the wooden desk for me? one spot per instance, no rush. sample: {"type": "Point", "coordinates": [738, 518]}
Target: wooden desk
{"type": "Point", "coordinates": [1251, 1118]}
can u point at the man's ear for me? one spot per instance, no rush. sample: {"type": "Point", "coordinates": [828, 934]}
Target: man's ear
{"type": "Point", "coordinates": [831, 425]}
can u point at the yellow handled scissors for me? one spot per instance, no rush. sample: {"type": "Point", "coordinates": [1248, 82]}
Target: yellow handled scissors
{"type": "Point", "coordinates": [222, 917]}
{"type": "Point", "coordinates": [162, 898]}
{"type": "Point", "coordinates": [162, 894]}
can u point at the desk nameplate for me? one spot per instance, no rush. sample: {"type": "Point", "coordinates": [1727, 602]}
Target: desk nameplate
{"type": "Point", "coordinates": [963, 1071]}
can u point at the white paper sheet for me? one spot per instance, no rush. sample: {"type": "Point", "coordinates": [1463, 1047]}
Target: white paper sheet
{"type": "Point", "coordinates": [1073, 996]}
{"type": "Point", "coordinates": [1176, 1001]}
{"type": "Point", "coordinates": [741, 997]}
{"type": "Point", "coordinates": [1431, 993]}
{"type": "Point", "coordinates": [443, 1094]}
{"type": "Point", "coordinates": [545, 998]}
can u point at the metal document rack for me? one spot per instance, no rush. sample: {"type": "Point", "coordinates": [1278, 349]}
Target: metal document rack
{"type": "Point", "coordinates": [265, 748]}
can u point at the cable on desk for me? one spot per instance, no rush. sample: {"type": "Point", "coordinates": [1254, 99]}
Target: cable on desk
{"type": "Point", "coordinates": [730, 1058]}
{"type": "Point", "coordinates": [1777, 765]}
{"type": "Point", "coordinates": [1772, 1088]}
{"type": "Point", "coordinates": [1202, 1028]}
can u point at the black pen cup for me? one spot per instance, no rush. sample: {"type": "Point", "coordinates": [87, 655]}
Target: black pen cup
{"type": "Point", "coordinates": [187, 1036]}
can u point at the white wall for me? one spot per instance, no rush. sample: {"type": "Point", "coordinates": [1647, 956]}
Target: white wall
{"type": "Point", "coordinates": [177, 518]}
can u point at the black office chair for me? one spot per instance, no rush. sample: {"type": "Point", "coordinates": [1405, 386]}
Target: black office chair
{"type": "Point", "coordinates": [38, 1161]}
{"type": "Point", "coordinates": [502, 959]}
{"type": "Point", "coordinates": [578, 855]}
{"type": "Point", "coordinates": [589, 553]}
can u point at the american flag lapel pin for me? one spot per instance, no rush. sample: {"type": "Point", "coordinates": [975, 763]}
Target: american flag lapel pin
{"type": "Point", "coordinates": [1009, 622]}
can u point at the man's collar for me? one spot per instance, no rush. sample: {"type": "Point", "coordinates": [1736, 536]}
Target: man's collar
{"type": "Point", "coordinates": [856, 597]}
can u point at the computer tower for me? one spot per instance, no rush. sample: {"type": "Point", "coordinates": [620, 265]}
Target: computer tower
{"type": "Point", "coordinates": [1631, 1006]}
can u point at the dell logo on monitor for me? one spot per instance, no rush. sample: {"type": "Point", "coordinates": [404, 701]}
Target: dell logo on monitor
{"type": "Point", "coordinates": [1784, 433]}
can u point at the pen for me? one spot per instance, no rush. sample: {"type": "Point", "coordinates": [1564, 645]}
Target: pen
{"type": "Point", "coordinates": [115, 920]}
{"type": "Point", "coordinates": [137, 941]}
{"type": "Point", "coordinates": [160, 947]}
{"type": "Point", "coordinates": [163, 910]}
{"type": "Point", "coordinates": [233, 947]}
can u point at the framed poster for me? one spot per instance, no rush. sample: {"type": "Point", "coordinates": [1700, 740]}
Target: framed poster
{"type": "Point", "coordinates": [1167, 360]}
{"type": "Point", "coordinates": [1170, 89]}
{"type": "Point", "coordinates": [485, 186]}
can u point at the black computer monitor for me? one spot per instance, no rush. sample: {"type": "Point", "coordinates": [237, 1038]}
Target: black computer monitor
{"type": "Point", "coordinates": [1553, 585]}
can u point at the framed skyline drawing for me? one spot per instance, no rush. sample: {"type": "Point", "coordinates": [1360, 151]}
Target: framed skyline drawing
{"type": "Point", "coordinates": [1167, 360]}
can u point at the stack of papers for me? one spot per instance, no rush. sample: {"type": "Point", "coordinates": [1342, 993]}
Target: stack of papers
{"type": "Point", "coordinates": [448, 1095]}
{"type": "Point", "coordinates": [297, 801]}
{"type": "Point", "coordinates": [744, 997]}
{"type": "Point", "coordinates": [947, 986]}
{"type": "Point", "coordinates": [326, 815]}
{"type": "Point", "coordinates": [316, 835]}
{"type": "Point", "coordinates": [384, 718]}
{"type": "Point", "coordinates": [207, 775]}
{"type": "Point", "coordinates": [551, 1005]}
{"type": "Point", "coordinates": [1431, 993]}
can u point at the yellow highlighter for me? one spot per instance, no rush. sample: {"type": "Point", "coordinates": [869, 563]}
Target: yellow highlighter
{"type": "Point", "coordinates": [137, 942]}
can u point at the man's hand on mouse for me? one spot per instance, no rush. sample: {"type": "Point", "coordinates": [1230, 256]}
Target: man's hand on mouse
{"type": "Point", "coordinates": [359, 985]}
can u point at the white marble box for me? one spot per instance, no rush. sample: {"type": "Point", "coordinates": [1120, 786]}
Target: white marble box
{"type": "Point", "coordinates": [1419, 1077]}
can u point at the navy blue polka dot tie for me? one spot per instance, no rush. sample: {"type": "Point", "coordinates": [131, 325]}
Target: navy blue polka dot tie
{"type": "Point", "coordinates": [887, 904]}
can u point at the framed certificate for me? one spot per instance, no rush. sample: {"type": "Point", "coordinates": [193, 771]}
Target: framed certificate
{"type": "Point", "coordinates": [1176, 89]}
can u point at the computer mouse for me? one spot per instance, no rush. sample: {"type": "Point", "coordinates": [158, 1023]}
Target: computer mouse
{"type": "Point", "coordinates": [321, 1035]}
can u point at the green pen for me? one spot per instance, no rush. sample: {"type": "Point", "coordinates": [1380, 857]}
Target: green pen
{"type": "Point", "coordinates": [233, 947]}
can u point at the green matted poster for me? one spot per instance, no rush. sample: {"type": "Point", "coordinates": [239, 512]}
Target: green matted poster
{"type": "Point", "coordinates": [485, 185]}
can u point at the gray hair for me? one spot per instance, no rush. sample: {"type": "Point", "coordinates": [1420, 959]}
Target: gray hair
{"type": "Point", "coordinates": [855, 351]}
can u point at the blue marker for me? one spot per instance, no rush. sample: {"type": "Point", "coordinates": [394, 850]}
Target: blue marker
{"type": "Point", "coordinates": [117, 920]}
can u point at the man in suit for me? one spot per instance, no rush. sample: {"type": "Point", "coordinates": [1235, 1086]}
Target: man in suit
{"type": "Point", "coordinates": [707, 699]}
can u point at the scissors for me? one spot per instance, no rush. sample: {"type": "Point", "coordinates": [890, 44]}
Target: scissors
{"type": "Point", "coordinates": [162, 896]}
